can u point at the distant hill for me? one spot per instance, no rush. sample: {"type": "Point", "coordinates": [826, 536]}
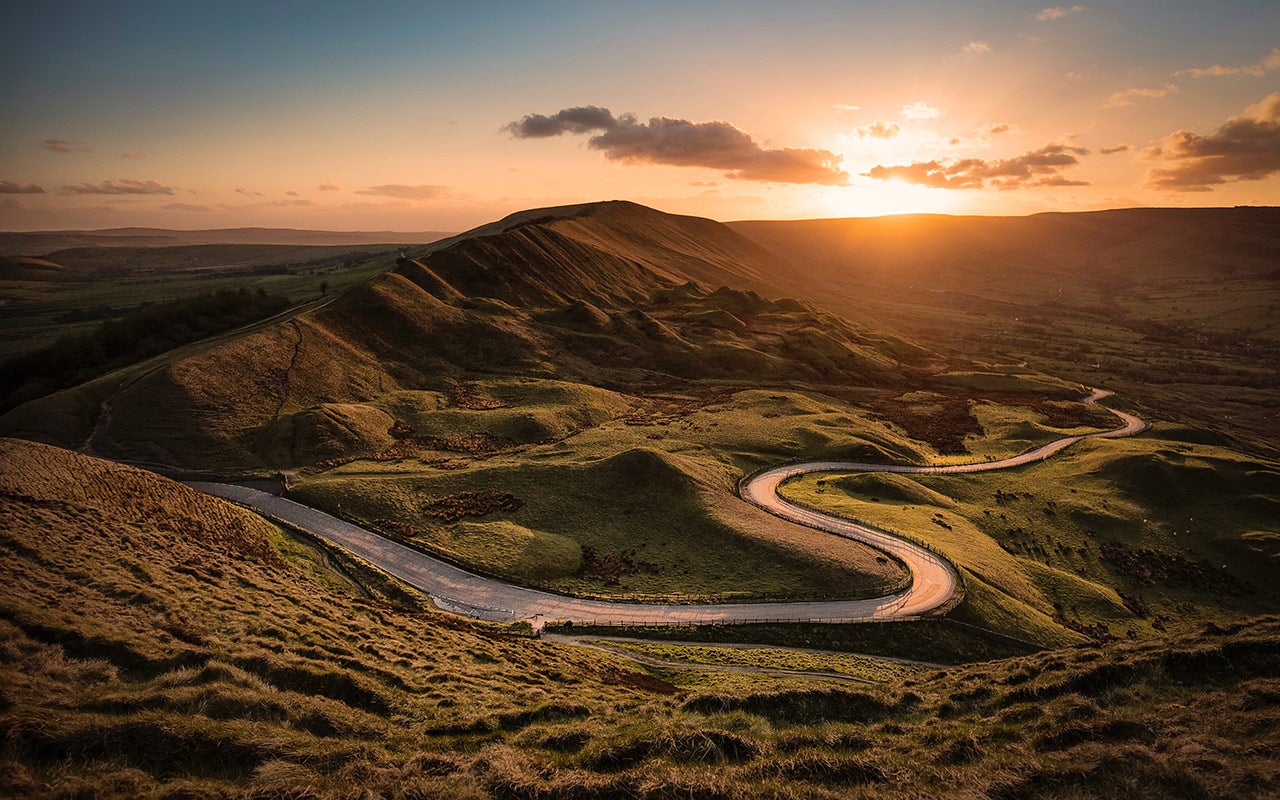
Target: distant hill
{"type": "Point", "coordinates": [1174, 305]}
{"type": "Point", "coordinates": [610, 294]}
{"type": "Point", "coordinates": [1006, 253]}
{"type": "Point", "coordinates": [39, 242]}
{"type": "Point", "coordinates": [25, 268]}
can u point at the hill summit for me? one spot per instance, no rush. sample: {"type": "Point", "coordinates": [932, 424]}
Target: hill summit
{"type": "Point", "coordinates": [611, 294]}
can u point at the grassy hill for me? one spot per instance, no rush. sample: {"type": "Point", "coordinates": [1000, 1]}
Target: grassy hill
{"type": "Point", "coordinates": [565, 399]}
{"type": "Point", "coordinates": [16, 243]}
{"type": "Point", "coordinates": [155, 642]}
{"type": "Point", "coordinates": [70, 291]}
{"type": "Point", "coordinates": [585, 295]}
{"type": "Point", "coordinates": [1172, 308]}
{"type": "Point", "coordinates": [1117, 538]}
{"type": "Point", "coordinates": [580, 340]}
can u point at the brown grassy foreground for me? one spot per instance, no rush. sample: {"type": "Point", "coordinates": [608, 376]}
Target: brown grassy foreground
{"type": "Point", "coordinates": [153, 643]}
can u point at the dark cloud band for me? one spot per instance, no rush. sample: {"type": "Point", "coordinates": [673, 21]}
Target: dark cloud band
{"type": "Point", "coordinates": [18, 187]}
{"type": "Point", "coordinates": [683, 143]}
{"type": "Point", "coordinates": [120, 186]}
{"type": "Point", "coordinates": [1244, 148]}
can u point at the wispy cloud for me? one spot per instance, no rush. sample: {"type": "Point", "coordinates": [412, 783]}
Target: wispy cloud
{"type": "Point", "coordinates": [846, 108]}
{"type": "Point", "coordinates": [119, 186]}
{"type": "Point", "coordinates": [18, 187]}
{"type": "Point", "coordinates": [1128, 97]}
{"type": "Point", "coordinates": [1041, 167]}
{"type": "Point", "coordinates": [329, 187]}
{"type": "Point", "coordinates": [997, 128]}
{"type": "Point", "coordinates": [1244, 148]}
{"type": "Point", "coordinates": [683, 143]}
{"type": "Point", "coordinates": [1055, 13]}
{"type": "Point", "coordinates": [65, 146]}
{"type": "Point", "coordinates": [404, 191]}
{"type": "Point", "coordinates": [879, 130]}
{"type": "Point", "coordinates": [132, 155]}
{"type": "Point", "coordinates": [1257, 69]}
{"type": "Point", "coordinates": [975, 49]}
{"type": "Point", "coordinates": [190, 207]}
{"type": "Point", "coordinates": [921, 110]}
{"type": "Point", "coordinates": [1119, 148]}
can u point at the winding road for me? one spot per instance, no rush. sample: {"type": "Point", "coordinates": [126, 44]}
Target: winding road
{"type": "Point", "coordinates": [934, 589]}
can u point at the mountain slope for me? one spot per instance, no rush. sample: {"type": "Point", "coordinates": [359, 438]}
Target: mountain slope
{"type": "Point", "coordinates": [609, 294]}
{"type": "Point", "coordinates": [673, 248]}
{"type": "Point", "coordinates": [1174, 305]}
{"type": "Point", "coordinates": [1006, 254]}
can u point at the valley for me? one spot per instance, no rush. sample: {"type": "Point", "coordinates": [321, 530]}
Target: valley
{"type": "Point", "coordinates": [546, 427]}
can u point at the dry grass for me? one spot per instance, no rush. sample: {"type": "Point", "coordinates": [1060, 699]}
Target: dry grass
{"type": "Point", "coordinates": [152, 644]}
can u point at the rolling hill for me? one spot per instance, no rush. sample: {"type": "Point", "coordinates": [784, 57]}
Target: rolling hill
{"type": "Point", "coordinates": [613, 295]}
{"type": "Point", "coordinates": [27, 242]}
{"type": "Point", "coordinates": [1004, 256]}
{"type": "Point", "coordinates": [156, 642]}
{"type": "Point", "coordinates": [1173, 305]}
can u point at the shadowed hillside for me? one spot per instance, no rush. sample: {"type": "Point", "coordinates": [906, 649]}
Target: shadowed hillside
{"type": "Point", "coordinates": [1173, 308]}
{"type": "Point", "coordinates": [610, 294]}
{"type": "Point", "coordinates": [1099, 249]}
{"type": "Point", "coordinates": [155, 642]}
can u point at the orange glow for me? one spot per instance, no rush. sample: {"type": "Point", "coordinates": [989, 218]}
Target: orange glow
{"type": "Point", "coordinates": [873, 199]}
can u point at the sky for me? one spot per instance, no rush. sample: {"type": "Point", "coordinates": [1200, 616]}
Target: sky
{"type": "Point", "coordinates": [419, 116]}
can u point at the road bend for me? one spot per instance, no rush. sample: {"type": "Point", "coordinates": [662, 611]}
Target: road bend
{"type": "Point", "coordinates": [935, 586]}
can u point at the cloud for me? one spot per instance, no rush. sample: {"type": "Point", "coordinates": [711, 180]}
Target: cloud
{"type": "Point", "coordinates": [1257, 69]}
{"type": "Point", "coordinates": [921, 110]}
{"type": "Point", "coordinates": [120, 186]}
{"type": "Point", "coordinates": [1058, 12]}
{"type": "Point", "coordinates": [1244, 148]}
{"type": "Point", "coordinates": [406, 192]}
{"type": "Point", "coordinates": [975, 49]}
{"type": "Point", "coordinates": [1042, 167]}
{"type": "Point", "coordinates": [846, 107]}
{"type": "Point", "coordinates": [879, 130]}
{"type": "Point", "coordinates": [1119, 148]}
{"type": "Point", "coordinates": [709, 184]}
{"type": "Point", "coordinates": [329, 187]}
{"type": "Point", "coordinates": [291, 194]}
{"type": "Point", "coordinates": [579, 120]}
{"type": "Point", "coordinates": [65, 146]}
{"type": "Point", "coordinates": [1128, 96]}
{"type": "Point", "coordinates": [683, 143]}
{"type": "Point", "coordinates": [248, 193]}
{"type": "Point", "coordinates": [132, 155]}
{"type": "Point", "coordinates": [192, 207]}
{"type": "Point", "coordinates": [997, 128]}
{"type": "Point", "coordinates": [18, 187]}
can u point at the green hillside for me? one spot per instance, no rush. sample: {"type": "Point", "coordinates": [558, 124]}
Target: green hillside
{"type": "Point", "coordinates": [158, 643]}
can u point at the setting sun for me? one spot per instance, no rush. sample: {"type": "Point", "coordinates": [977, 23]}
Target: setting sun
{"type": "Point", "coordinates": [888, 197]}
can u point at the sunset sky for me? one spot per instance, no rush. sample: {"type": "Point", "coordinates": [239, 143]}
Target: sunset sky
{"type": "Point", "coordinates": [412, 116]}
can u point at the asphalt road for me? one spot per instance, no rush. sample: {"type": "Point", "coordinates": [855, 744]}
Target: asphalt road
{"type": "Point", "coordinates": [934, 588]}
